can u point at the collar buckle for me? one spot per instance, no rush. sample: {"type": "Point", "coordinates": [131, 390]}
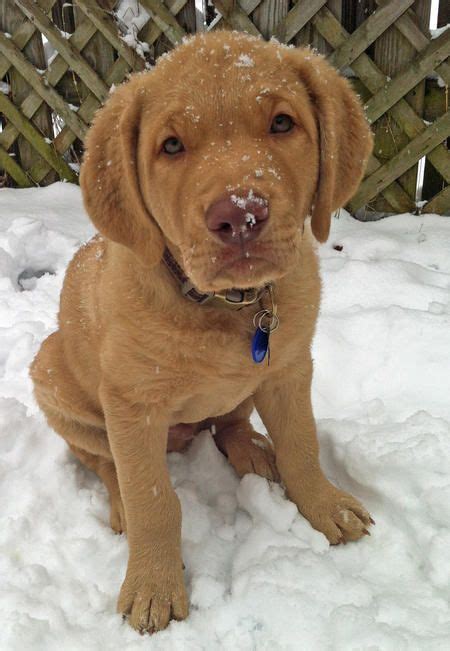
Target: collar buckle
{"type": "Point", "coordinates": [189, 290]}
{"type": "Point", "coordinates": [241, 297]}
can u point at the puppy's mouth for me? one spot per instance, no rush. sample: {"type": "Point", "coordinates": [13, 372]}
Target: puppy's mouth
{"type": "Point", "coordinates": [249, 264]}
{"type": "Point", "coordinates": [242, 259]}
{"type": "Point", "coordinates": [252, 264]}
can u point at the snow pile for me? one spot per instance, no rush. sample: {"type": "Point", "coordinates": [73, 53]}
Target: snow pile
{"type": "Point", "coordinates": [259, 577]}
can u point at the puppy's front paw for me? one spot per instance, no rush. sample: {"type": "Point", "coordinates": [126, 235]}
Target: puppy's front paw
{"type": "Point", "coordinates": [336, 514]}
{"type": "Point", "coordinates": [150, 599]}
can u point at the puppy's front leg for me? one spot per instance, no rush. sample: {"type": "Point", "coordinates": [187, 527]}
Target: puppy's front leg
{"type": "Point", "coordinates": [284, 404]}
{"type": "Point", "coordinates": [153, 591]}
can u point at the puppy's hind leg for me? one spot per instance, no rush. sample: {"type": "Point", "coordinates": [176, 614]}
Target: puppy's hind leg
{"type": "Point", "coordinates": [90, 445]}
{"type": "Point", "coordinates": [70, 413]}
{"type": "Point", "coordinates": [246, 450]}
{"type": "Point", "coordinates": [106, 470]}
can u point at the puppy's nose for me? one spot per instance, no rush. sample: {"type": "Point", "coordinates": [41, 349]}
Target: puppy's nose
{"type": "Point", "coordinates": [235, 219]}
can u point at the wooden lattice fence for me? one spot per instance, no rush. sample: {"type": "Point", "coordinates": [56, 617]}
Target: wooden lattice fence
{"type": "Point", "coordinates": [58, 61]}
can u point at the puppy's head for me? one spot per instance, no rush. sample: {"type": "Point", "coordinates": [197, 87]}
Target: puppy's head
{"type": "Point", "coordinates": [222, 151]}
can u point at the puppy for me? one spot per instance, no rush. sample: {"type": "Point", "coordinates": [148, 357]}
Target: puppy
{"type": "Point", "coordinates": [199, 176]}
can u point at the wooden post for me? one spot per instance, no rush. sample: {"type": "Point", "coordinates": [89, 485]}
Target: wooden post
{"type": "Point", "coordinates": [63, 18]}
{"type": "Point", "coordinates": [443, 13]}
{"type": "Point", "coordinates": [308, 36]}
{"type": "Point", "coordinates": [99, 53]}
{"type": "Point", "coordinates": [11, 18]}
{"type": "Point", "coordinates": [436, 104]}
{"type": "Point", "coordinates": [268, 14]}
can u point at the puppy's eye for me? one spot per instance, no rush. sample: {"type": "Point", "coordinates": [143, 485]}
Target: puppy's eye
{"type": "Point", "coordinates": [281, 123]}
{"type": "Point", "coordinates": [172, 146]}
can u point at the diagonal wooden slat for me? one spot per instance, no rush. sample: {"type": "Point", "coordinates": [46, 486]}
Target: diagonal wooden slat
{"type": "Point", "coordinates": [427, 60]}
{"type": "Point", "coordinates": [297, 18]}
{"type": "Point", "coordinates": [165, 20]}
{"type": "Point", "coordinates": [248, 6]}
{"type": "Point", "coordinates": [440, 203]}
{"type": "Point", "coordinates": [65, 48]}
{"type": "Point", "coordinates": [108, 28]}
{"type": "Point", "coordinates": [36, 139]}
{"type": "Point", "coordinates": [235, 16]}
{"type": "Point", "coordinates": [37, 82]}
{"type": "Point", "coordinates": [14, 170]}
{"type": "Point", "coordinates": [151, 30]}
{"type": "Point", "coordinates": [375, 25]}
{"type": "Point", "coordinates": [405, 159]}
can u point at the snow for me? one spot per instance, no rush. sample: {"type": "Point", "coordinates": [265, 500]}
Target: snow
{"type": "Point", "coordinates": [132, 17]}
{"type": "Point", "coordinates": [244, 61]}
{"type": "Point", "coordinates": [258, 575]}
{"type": "Point", "coordinates": [435, 33]}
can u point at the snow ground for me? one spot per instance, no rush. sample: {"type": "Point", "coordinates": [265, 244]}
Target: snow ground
{"type": "Point", "coordinates": [258, 575]}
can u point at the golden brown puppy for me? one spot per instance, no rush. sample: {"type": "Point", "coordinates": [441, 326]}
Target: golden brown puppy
{"type": "Point", "coordinates": [217, 155]}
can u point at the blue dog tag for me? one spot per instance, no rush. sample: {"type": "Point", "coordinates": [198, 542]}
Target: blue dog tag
{"type": "Point", "coordinates": [260, 345]}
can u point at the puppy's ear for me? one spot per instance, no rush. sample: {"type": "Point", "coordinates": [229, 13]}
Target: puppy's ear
{"type": "Point", "coordinates": [345, 137]}
{"type": "Point", "coordinates": [110, 176]}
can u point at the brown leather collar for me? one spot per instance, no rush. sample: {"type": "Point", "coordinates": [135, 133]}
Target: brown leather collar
{"type": "Point", "coordinates": [234, 299]}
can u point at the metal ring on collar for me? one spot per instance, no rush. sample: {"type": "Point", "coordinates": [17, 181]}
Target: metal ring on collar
{"type": "Point", "coordinates": [266, 314]}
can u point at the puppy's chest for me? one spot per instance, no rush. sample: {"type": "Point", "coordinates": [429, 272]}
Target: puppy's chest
{"type": "Point", "coordinates": [214, 379]}
{"type": "Point", "coordinates": [227, 352]}
{"type": "Point", "coordinates": [216, 355]}
{"type": "Point", "coordinates": [209, 372]}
